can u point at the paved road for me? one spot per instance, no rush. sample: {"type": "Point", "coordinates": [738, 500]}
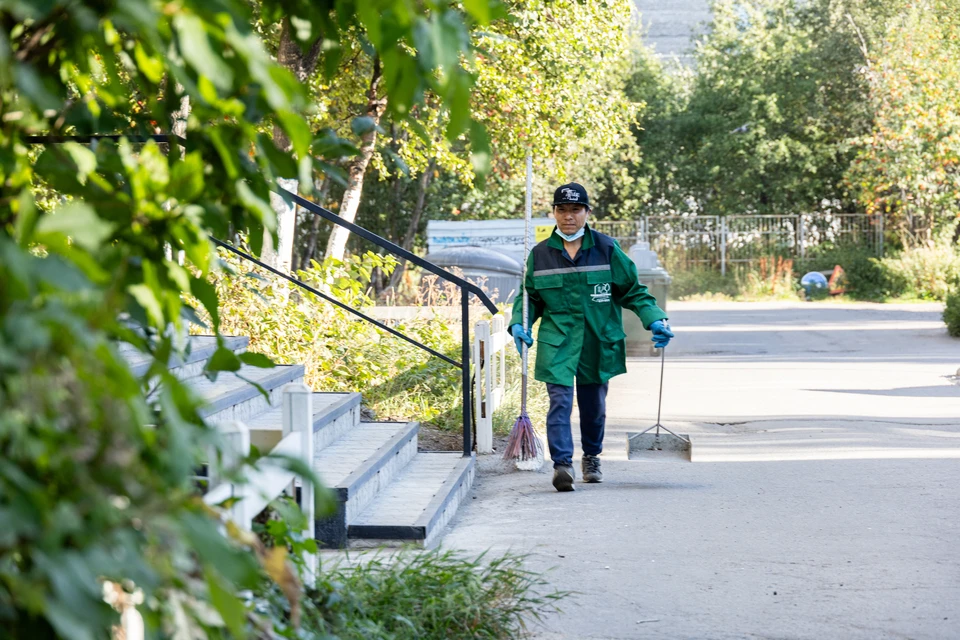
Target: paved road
{"type": "Point", "coordinates": [824, 503]}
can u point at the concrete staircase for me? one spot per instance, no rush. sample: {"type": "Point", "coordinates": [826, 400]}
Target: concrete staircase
{"type": "Point", "coordinates": [388, 493]}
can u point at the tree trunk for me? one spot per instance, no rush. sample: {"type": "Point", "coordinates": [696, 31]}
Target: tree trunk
{"type": "Point", "coordinates": [411, 233]}
{"type": "Point", "coordinates": [357, 168]}
{"type": "Point", "coordinates": [322, 186]}
{"type": "Point", "coordinates": [292, 57]}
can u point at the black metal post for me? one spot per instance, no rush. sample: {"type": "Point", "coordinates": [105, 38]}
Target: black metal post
{"type": "Point", "coordinates": [465, 369]}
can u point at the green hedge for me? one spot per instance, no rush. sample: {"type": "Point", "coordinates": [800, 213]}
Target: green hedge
{"type": "Point", "coordinates": [951, 313]}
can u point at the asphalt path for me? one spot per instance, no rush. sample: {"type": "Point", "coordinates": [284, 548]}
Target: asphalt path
{"type": "Point", "coordinates": [822, 500]}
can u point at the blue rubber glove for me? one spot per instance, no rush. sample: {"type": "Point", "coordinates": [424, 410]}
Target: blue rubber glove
{"type": "Point", "coordinates": [520, 335]}
{"type": "Point", "coordinates": [661, 333]}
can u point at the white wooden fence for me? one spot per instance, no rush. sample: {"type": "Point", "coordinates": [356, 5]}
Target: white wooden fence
{"type": "Point", "coordinates": [266, 481]}
{"type": "Point", "coordinates": [490, 338]}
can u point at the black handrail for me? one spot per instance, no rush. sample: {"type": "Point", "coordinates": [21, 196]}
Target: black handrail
{"type": "Point", "coordinates": [466, 287]}
{"type": "Point", "coordinates": [316, 292]}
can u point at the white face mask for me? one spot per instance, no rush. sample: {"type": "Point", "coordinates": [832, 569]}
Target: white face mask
{"type": "Point", "coordinates": [573, 236]}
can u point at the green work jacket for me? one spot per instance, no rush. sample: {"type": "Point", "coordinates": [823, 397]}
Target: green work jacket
{"type": "Point", "coordinates": [579, 301]}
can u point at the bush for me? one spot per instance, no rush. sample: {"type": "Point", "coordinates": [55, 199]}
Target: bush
{"type": "Point", "coordinates": [951, 313]}
{"type": "Point", "coordinates": [865, 275]}
{"type": "Point", "coordinates": [698, 281]}
{"type": "Point", "coordinates": [928, 272]}
{"type": "Point", "coordinates": [426, 596]}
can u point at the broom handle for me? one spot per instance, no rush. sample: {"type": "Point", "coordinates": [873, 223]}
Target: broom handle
{"type": "Point", "coordinates": [528, 208]}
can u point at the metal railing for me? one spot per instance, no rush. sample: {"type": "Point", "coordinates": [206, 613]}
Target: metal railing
{"type": "Point", "coordinates": [719, 241]}
{"type": "Point", "coordinates": [466, 287]}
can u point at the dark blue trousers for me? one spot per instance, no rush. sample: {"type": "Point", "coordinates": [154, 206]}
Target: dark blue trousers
{"type": "Point", "coordinates": [592, 399]}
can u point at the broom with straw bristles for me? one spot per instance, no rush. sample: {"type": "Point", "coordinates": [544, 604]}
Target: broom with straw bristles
{"type": "Point", "coordinates": [524, 445]}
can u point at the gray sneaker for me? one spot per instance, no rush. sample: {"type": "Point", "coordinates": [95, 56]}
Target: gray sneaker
{"type": "Point", "coordinates": [563, 477]}
{"type": "Point", "coordinates": [591, 468]}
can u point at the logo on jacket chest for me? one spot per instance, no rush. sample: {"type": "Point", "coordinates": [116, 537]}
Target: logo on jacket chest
{"type": "Point", "coordinates": [601, 293]}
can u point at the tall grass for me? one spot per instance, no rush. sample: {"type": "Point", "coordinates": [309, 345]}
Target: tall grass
{"type": "Point", "coordinates": [415, 595]}
{"type": "Point", "coordinates": [769, 278]}
{"type": "Point", "coordinates": [441, 595]}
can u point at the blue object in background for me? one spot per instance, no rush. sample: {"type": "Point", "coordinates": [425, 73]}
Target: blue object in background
{"type": "Point", "coordinates": [814, 284]}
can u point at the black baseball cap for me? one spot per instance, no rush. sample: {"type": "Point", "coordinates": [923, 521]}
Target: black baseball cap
{"type": "Point", "coordinates": [571, 193]}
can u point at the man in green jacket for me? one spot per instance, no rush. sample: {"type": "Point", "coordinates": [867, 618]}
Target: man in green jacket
{"type": "Point", "coordinates": [578, 280]}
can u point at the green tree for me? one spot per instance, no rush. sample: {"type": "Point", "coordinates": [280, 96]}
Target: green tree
{"type": "Point", "coordinates": [908, 165]}
{"type": "Point", "coordinates": [764, 123]}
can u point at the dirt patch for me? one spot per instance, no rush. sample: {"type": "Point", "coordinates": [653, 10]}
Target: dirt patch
{"type": "Point", "coordinates": [434, 439]}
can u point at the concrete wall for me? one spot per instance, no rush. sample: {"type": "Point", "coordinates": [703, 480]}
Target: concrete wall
{"type": "Point", "coordinates": [668, 25]}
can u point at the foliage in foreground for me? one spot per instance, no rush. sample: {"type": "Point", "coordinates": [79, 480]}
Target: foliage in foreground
{"type": "Point", "coordinates": [95, 483]}
{"type": "Point", "coordinates": [95, 464]}
{"type": "Point", "coordinates": [413, 595]}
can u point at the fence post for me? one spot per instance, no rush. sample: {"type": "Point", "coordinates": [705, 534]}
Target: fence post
{"type": "Point", "coordinates": [236, 446]}
{"type": "Point", "coordinates": [801, 237]}
{"type": "Point", "coordinates": [483, 358]}
{"type": "Point", "coordinates": [723, 245]}
{"type": "Point", "coordinates": [297, 411]}
{"type": "Point", "coordinates": [499, 326]}
{"type": "Point", "coordinates": [880, 236]}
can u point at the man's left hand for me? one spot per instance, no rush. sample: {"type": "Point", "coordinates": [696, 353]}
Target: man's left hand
{"type": "Point", "coordinates": [661, 333]}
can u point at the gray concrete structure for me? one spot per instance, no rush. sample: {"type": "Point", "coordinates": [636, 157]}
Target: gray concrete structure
{"type": "Point", "coordinates": [668, 26]}
{"type": "Point", "coordinates": [830, 509]}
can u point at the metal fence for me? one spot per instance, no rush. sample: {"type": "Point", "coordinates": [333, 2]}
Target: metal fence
{"type": "Point", "coordinates": [719, 241]}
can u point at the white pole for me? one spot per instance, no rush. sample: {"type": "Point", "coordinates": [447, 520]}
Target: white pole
{"type": "Point", "coordinates": [723, 246]}
{"type": "Point", "coordinates": [297, 412]}
{"type": "Point", "coordinates": [528, 213]}
{"type": "Point", "coordinates": [482, 396]}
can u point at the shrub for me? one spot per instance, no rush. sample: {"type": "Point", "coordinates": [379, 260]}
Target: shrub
{"type": "Point", "coordinates": [866, 277]}
{"type": "Point", "coordinates": [431, 595]}
{"type": "Point", "coordinates": [928, 272]}
{"type": "Point", "coordinates": [697, 281]}
{"type": "Point", "coordinates": [951, 313]}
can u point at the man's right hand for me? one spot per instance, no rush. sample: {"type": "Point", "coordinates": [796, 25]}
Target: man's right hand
{"type": "Point", "coordinates": [520, 335]}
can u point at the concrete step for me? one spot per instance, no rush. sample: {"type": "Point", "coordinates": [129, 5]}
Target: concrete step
{"type": "Point", "coordinates": [199, 351]}
{"type": "Point", "coordinates": [333, 415]}
{"type": "Point", "coordinates": [233, 397]}
{"type": "Point", "coordinates": [357, 467]}
{"type": "Point", "coordinates": [416, 506]}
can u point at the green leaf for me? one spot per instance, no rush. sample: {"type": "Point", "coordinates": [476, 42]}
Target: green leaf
{"type": "Point", "coordinates": [80, 222]}
{"type": "Point", "coordinates": [458, 98]}
{"type": "Point", "coordinates": [363, 125]}
{"type": "Point", "coordinates": [296, 127]}
{"type": "Point", "coordinates": [223, 359]}
{"type": "Point", "coordinates": [258, 206]}
{"type": "Point", "coordinates": [148, 300]}
{"type": "Point", "coordinates": [236, 565]}
{"type": "Point", "coordinates": [150, 67]}
{"type": "Point", "coordinates": [479, 9]}
{"type": "Point", "coordinates": [197, 50]}
{"type": "Point", "coordinates": [480, 154]}
{"type": "Point", "coordinates": [186, 177]}
{"type": "Point", "coordinates": [206, 293]}
{"type": "Point", "coordinates": [257, 360]}
{"type": "Point", "coordinates": [229, 606]}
